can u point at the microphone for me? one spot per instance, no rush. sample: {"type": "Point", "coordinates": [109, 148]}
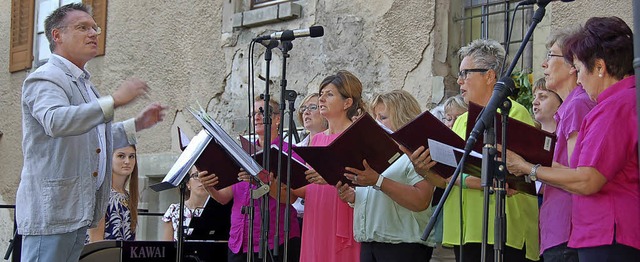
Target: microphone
{"type": "Point", "coordinates": [503, 88]}
{"type": "Point", "coordinates": [288, 35]}
{"type": "Point", "coordinates": [541, 2]}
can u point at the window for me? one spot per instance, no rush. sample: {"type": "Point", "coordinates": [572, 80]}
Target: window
{"type": "Point", "coordinates": [21, 43]}
{"type": "Point", "coordinates": [491, 19]}
{"type": "Point", "coordinates": [29, 45]}
{"type": "Point", "coordinates": [262, 3]}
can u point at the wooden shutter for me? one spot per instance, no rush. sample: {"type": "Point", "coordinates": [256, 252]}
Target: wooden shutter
{"type": "Point", "coordinates": [21, 46]}
{"type": "Point", "coordinates": [100, 16]}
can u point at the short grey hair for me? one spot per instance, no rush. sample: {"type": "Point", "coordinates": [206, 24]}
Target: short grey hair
{"type": "Point", "coordinates": [486, 53]}
{"type": "Point", "coordinates": [56, 18]}
{"type": "Point", "coordinates": [558, 36]}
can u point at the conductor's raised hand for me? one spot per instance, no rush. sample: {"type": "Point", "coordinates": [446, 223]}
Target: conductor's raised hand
{"type": "Point", "coordinates": [366, 177]}
{"type": "Point", "coordinates": [313, 177]}
{"type": "Point", "coordinates": [346, 193]}
{"type": "Point", "coordinates": [151, 115]}
{"type": "Point", "coordinates": [128, 91]}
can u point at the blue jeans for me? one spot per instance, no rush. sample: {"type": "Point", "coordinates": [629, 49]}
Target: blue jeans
{"type": "Point", "coordinates": [59, 247]}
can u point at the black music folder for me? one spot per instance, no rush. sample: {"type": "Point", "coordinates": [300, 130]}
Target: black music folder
{"type": "Point", "coordinates": [297, 168]}
{"type": "Point", "coordinates": [213, 150]}
{"type": "Point", "coordinates": [203, 152]}
{"type": "Point", "coordinates": [248, 146]}
{"type": "Point", "coordinates": [533, 144]}
{"type": "Point", "coordinates": [427, 127]}
{"type": "Point", "coordinates": [213, 223]}
{"type": "Point", "coordinates": [364, 139]}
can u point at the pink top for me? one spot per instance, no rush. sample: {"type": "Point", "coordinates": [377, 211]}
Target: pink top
{"type": "Point", "coordinates": [608, 142]}
{"type": "Point", "coordinates": [239, 231]}
{"type": "Point", "coordinates": [328, 222]}
{"type": "Point", "coordinates": [555, 213]}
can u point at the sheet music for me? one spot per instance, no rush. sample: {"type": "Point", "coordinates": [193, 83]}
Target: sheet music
{"type": "Point", "coordinates": [221, 137]}
{"type": "Point", "coordinates": [184, 163]}
{"type": "Point", "coordinates": [184, 140]}
{"type": "Point", "coordinates": [443, 153]}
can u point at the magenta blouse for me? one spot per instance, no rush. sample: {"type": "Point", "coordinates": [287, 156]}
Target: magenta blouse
{"type": "Point", "coordinates": [608, 142]}
{"type": "Point", "coordinates": [555, 213]}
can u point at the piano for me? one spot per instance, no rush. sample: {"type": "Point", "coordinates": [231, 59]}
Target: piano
{"type": "Point", "coordinates": [153, 251]}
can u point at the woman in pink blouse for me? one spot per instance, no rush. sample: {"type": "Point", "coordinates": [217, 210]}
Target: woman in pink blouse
{"type": "Point", "coordinates": [327, 233]}
{"type": "Point", "coordinates": [240, 194]}
{"type": "Point", "coordinates": [603, 170]}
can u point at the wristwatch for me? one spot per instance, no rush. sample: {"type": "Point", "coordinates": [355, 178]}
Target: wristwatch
{"type": "Point", "coordinates": [533, 176]}
{"type": "Point", "coordinates": [378, 183]}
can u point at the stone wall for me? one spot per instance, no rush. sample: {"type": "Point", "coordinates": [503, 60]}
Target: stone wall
{"type": "Point", "coordinates": [189, 51]}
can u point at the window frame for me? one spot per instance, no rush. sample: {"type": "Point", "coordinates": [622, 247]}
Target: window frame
{"type": "Point", "coordinates": [24, 48]}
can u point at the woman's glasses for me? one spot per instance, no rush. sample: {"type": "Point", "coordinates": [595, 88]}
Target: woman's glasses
{"type": "Point", "coordinates": [310, 107]}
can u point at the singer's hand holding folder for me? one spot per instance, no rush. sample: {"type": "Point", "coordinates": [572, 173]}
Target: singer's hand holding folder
{"type": "Point", "coordinates": [428, 127]}
{"type": "Point", "coordinates": [364, 139]}
{"type": "Point", "coordinates": [203, 152]}
{"type": "Point", "coordinates": [297, 167]}
{"type": "Point", "coordinates": [533, 144]}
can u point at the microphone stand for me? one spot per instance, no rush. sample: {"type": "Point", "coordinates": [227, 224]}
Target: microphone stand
{"type": "Point", "coordinates": [500, 172]}
{"type": "Point", "coordinates": [264, 226]}
{"type": "Point", "coordinates": [494, 175]}
{"type": "Point", "coordinates": [266, 154]}
{"type": "Point", "coordinates": [285, 95]}
{"type": "Point", "coordinates": [183, 190]}
{"type": "Point", "coordinates": [499, 238]}
{"type": "Point", "coordinates": [488, 154]}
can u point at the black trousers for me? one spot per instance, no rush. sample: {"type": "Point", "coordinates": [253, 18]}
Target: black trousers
{"type": "Point", "coordinates": [386, 252]}
{"type": "Point", "coordinates": [560, 253]}
{"type": "Point", "coordinates": [473, 253]}
{"type": "Point", "coordinates": [293, 256]}
{"type": "Point", "coordinates": [610, 253]}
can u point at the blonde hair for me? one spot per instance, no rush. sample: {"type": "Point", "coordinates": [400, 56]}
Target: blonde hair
{"type": "Point", "coordinates": [349, 86]}
{"type": "Point", "coordinates": [401, 106]}
{"type": "Point", "coordinates": [455, 101]}
{"type": "Point", "coordinates": [304, 101]}
{"type": "Point", "coordinates": [275, 106]}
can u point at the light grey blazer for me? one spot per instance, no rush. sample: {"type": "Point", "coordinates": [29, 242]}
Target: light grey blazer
{"type": "Point", "coordinates": [57, 192]}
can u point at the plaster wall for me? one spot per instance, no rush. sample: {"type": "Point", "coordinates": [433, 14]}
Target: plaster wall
{"type": "Point", "coordinates": [188, 52]}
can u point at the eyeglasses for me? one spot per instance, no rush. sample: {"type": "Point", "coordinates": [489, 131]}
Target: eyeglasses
{"type": "Point", "coordinates": [463, 74]}
{"type": "Point", "coordinates": [550, 55]}
{"type": "Point", "coordinates": [85, 29]}
{"type": "Point", "coordinates": [310, 107]}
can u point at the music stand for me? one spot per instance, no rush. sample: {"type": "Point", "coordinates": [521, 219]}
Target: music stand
{"type": "Point", "coordinates": [213, 223]}
{"type": "Point", "coordinates": [177, 177]}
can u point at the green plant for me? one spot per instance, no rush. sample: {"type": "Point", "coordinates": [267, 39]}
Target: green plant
{"type": "Point", "coordinates": [523, 94]}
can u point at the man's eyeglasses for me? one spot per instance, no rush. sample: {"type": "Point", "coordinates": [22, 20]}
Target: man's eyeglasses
{"type": "Point", "coordinates": [310, 107]}
{"type": "Point", "coordinates": [85, 29]}
{"type": "Point", "coordinates": [465, 72]}
{"type": "Point", "coordinates": [550, 55]}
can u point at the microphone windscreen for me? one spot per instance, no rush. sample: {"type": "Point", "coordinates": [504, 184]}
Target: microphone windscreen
{"type": "Point", "coordinates": [316, 31]}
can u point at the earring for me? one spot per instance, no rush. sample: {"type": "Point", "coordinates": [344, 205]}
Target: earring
{"type": "Point", "coordinates": [600, 75]}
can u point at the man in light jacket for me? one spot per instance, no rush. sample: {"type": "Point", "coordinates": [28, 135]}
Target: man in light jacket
{"type": "Point", "coordinates": [68, 139]}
